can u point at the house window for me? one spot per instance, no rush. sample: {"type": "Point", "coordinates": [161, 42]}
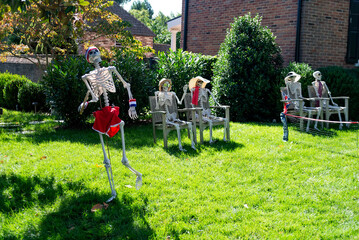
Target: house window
{"type": "Point", "coordinates": [353, 32]}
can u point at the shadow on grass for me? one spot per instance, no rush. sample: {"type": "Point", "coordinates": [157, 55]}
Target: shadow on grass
{"type": "Point", "coordinates": [73, 219]}
{"type": "Point", "coordinates": [19, 192]}
{"type": "Point", "coordinates": [123, 219]}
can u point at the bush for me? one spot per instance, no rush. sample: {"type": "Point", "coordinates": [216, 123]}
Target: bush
{"type": "Point", "coordinates": [302, 69]}
{"type": "Point", "coordinates": [65, 89]}
{"type": "Point", "coordinates": [11, 90]}
{"type": "Point", "coordinates": [32, 92]}
{"type": "Point", "coordinates": [182, 66]}
{"type": "Point", "coordinates": [343, 82]}
{"type": "Point", "coordinates": [4, 78]}
{"type": "Point", "coordinates": [142, 79]}
{"type": "Point", "coordinates": [246, 75]}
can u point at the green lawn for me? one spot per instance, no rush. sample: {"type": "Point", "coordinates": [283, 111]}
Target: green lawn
{"type": "Point", "coordinates": [254, 187]}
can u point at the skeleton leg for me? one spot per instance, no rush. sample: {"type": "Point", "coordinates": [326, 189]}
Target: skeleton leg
{"type": "Point", "coordinates": [178, 134]}
{"type": "Point", "coordinates": [190, 128]}
{"type": "Point", "coordinates": [210, 128]}
{"type": "Point", "coordinates": [108, 170]}
{"type": "Point", "coordinates": [316, 122]}
{"type": "Point", "coordinates": [340, 119]}
{"type": "Point", "coordinates": [125, 160]}
{"type": "Point", "coordinates": [309, 116]}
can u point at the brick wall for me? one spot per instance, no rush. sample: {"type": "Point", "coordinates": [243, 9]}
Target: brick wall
{"type": "Point", "coordinates": [324, 32]}
{"type": "Point", "coordinates": [208, 21]}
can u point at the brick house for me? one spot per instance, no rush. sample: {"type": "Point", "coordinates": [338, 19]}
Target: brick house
{"type": "Point", "coordinates": [139, 30]}
{"type": "Point", "coordinates": [317, 32]}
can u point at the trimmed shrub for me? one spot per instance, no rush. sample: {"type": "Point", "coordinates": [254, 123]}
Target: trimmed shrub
{"type": "Point", "coordinates": [11, 90]}
{"type": "Point", "coordinates": [65, 90]}
{"type": "Point", "coordinates": [246, 74]}
{"type": "Point", "coordinates": [181, 66]}
{"type": "Point", "coordinates": [4, 78]}
{"type": "Point", "coordinates": [343, 82]}
{"type": "Point", "coordinates": [29, 93]}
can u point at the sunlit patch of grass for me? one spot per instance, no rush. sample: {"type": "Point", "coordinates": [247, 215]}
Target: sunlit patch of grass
{"type": "Point", "coordinates": [253, 187]}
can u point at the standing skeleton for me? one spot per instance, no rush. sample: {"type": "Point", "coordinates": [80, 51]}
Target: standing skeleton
{"type": "Point", "coordinates": [199, 95]}
{"type": "Point", "coordinates": [295, 92]}
{"type": "Point", "coordinates": [319, 86]}
{"type": "Point", "coordinates": [164, 99]}
{"type": "Point", "coordinates": [98, 82]}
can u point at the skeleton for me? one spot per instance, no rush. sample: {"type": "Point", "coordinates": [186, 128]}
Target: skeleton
{"type": "Point", "coordinates": [295, 92]}
{"type": "Point", "coordinates": [319, 86]}
{"type": "Point", "coordinates": [197, 86]}
{"type": "Point", "coordinates": [164, 98]}
{"type": "Point", "coordinates": [99, 82]}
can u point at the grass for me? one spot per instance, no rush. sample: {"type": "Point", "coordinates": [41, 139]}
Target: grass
{"type": "Point", "coordinates": [254, 187]}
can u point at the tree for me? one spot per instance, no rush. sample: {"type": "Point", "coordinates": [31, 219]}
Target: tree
{"type": "Point", "coordinates": [138, 5]}
{"type": "Point", "coordinates": [56, 27]}
{"type": "Point", "coordinates": [246, 74]}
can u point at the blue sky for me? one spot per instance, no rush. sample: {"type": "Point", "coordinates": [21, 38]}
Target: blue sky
{"type": "Point", "coordinates": [165, 6]}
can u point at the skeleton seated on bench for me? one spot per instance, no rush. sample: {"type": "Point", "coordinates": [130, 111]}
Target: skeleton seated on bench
{"type": "Point", "coordinates": [320, 89]}
{"type": "Point", "coordinates": [165, 113]}
{"type": "Point", "coordinates": [199, 98]}
{"type": "Point", "coordinates": [294, 90]}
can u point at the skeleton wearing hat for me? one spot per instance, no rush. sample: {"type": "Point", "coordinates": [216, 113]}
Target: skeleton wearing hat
{"type": "Point", "coordinates": [295, 92]}
{"type": "Point", "coordinates": [199, 95]}
{"type": "Point", "coordinates": [99, 82]}
{"type": "Point", "coordinates": [164, 98]}
{"type": "Point", "coordinates": [319, 86]}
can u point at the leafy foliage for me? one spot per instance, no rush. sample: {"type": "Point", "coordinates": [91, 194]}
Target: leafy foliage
{"type": "Point", "coordinates": [29, 93]}
{"type": "Point", "coordinates": [247, 70]}
{"type": "Point", "coordinates": [137, 73]}
{"type": "Point", "coordinates": [65, 90]}
{"type": "Point", "coordinates": [180, 66]}
{"type": "Point", "coordinates": [11, 90]}
{"type": "Point", "coordinates": [4, 78]}
{"type": "Point", "coordinates": [143, 5]}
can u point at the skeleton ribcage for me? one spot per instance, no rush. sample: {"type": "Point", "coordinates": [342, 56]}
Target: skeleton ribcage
{"type": "Point", "coordinates": [100, 80]}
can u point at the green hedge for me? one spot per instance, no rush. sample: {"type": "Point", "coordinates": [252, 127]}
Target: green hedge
{"type": "Point", "coordinates": [29, 93]}
{"type": "Point", "coordinates": [11, 90]}
{"type": "Point", "coordinates": [181, 66]}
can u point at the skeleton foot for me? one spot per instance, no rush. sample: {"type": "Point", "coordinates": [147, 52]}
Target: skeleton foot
{"type": "Point", "coordinates": [316, 128]}
{"type": "Point", "coordinates": [340, 126]}
{"type": "Point", "coordinates": [139, 181]}
{"type": "Point", "coordinates": [182, 149]}
{"type": "Point", "coordinates": [111, 198]}
{"type": "Point", "coordinates": [193, 147]}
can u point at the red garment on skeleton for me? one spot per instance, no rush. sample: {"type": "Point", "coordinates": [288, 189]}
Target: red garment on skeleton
{"type": "Point", "coordinates": [107, 121]}
{"type": "Point", "coordinates": [195, 96]}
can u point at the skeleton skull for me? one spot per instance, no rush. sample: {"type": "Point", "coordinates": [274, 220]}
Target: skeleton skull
{"type": "Point", "coordinates": [317, 75]}
{"type": "Point", "coordinates": [292, 77]}
{"type": "Point", "coordinates": [93, 54]}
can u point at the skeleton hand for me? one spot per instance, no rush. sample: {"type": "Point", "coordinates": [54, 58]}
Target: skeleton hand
{"type": "Point", "coordinates": [82, 106]}
{"type": "Point", "coordinates": [132, 113]}
{"type": "Point", "coordinates": [132, 110]}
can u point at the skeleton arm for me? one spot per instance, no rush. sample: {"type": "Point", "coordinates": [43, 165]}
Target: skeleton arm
{"type": "Point", "coordinates": [214, 99]}
{"type": "Point", "coordinates": [132, 110]}
{"type": "Point", "coordinates": [156, 98]}
{"type": "Point", "coordinates": [185, 87]}
{"type": "Point", "coordinates": [84, 104]}
{"type": "Point", "coordinates": [329, 94]}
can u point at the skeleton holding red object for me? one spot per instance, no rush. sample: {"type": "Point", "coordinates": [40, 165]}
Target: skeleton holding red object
{"type": "Point", "coordinates": [99, 82]}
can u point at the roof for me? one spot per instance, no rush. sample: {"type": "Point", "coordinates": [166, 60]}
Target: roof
{"type": "Point", "coordinates": [137, 27]}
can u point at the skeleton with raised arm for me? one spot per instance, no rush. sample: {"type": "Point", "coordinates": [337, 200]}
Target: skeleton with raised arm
{"type": "Point", "coordinates": [294, 88]}
{"type": "Point", "coordinates": [107, 122]}
{"type": "Point", "coordinates": [164, 98]}
{"type": "Point", "coordinates": [200, 95]}
{"type": "Point", "coordinates": [319, 87]}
